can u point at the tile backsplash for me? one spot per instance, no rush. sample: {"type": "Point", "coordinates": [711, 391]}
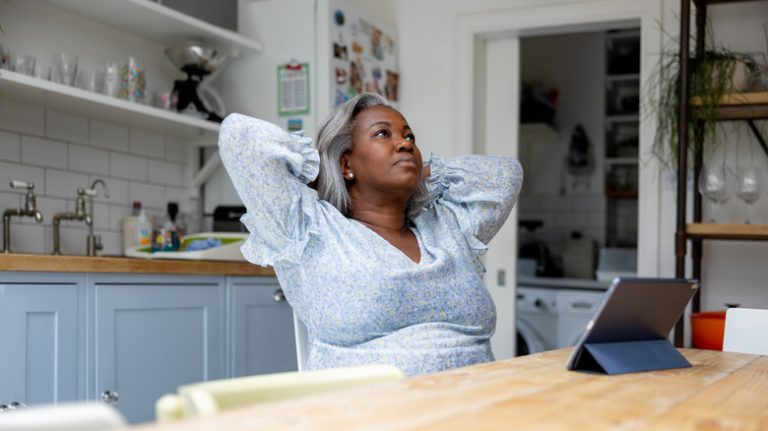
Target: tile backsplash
{"type": "Point", "coordinates": [60, 151]}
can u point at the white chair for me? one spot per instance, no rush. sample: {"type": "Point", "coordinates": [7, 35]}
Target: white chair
{"type": "Point", "coordinates": [746, 331]}
{"type": "Point", "coordinates": [302, 343]}
{"type": "Point", "coordinates": [210, 398]}
{"type": "Point", "coordinates": [93, 416]}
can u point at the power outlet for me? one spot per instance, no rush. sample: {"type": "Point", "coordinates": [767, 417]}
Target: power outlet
{"type": "Point", "coordinates": [501, 278]}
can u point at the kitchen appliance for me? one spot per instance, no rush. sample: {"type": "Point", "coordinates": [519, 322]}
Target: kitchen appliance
{"type": "Point", "coordinates": [227, 218]}
{"type": "Point", "coordinates": [192, 94]}
{"type": "Point", "coordinates": [533, 248]}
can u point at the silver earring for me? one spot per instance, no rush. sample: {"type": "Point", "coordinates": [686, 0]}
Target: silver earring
{"type": "Point", "coordinates": [351, 175]}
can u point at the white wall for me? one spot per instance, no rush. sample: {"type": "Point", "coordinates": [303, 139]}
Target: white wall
{"type": "Point", "coordinates": [60, 151]}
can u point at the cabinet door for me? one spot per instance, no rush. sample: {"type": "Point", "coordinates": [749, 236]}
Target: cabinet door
{"type": "Point", "coordinates": [153, 334]}
{"type": "Point", "coordinates": [42, 336]}
{"type": "Point", "coordinates": [262, 327]}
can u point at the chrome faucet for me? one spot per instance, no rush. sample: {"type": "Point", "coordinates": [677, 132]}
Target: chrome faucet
{"type": "Point", "coordinates": [29, 210]}
{"type": "Point", "coordinates": [80, 214]}
{"type": "Point", "coordinates": [94, 241]}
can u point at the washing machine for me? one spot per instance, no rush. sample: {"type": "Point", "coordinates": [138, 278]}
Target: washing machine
{"type": "Point", "coordinates": [536, 319]}
{"type": "Point", "coordinates": [575, 309]}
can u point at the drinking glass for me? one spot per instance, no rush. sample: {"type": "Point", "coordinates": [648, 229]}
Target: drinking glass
{"type": "Point", "coordinates": [112, 79]}
{"type": "Point", "coordinates": [24, 64]}
{"type": "Point", "coordinates": [67, 64]}
{"type": "Point", "coordinates": [751, 183]}
{"type": "Point", "coordinates": [712, 185]}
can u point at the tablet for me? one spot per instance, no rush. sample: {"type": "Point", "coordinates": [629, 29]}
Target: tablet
{"type": "Point", "coordinates": [629, 330]}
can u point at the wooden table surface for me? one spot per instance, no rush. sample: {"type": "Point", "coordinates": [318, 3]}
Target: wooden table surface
{"type": "Point", "coordinates": [51, 263]}
{"type": "Point", "coordinates": [721, 391]}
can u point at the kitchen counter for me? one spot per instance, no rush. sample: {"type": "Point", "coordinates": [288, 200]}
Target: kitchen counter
{"type": "Point", "coordinates": [562, 283]}
{"type": "Point", "coordinates": [51, 263]}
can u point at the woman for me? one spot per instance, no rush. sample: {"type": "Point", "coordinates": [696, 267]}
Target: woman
{"type": "Point", "coordinates": [379, 258]}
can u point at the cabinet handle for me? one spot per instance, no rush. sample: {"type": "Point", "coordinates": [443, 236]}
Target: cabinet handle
{"type": "Point", "coordinates": [110, 397]}
{"type": "Point", "coordinates": [278, 296]}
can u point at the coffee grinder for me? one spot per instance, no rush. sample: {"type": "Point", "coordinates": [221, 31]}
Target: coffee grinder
{"type": "Point", "coordinates": [197, 62]}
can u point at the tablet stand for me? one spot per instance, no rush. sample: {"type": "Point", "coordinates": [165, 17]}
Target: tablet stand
{"type": "Point", "coordinates": [629, 357]}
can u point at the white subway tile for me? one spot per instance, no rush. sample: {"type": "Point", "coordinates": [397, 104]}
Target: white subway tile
{"type": "Point", "coordinates": [112, 242]}
{"type": "Point", "coordinates": [116, 215]}
{"type": "Point", "coordinates": [588, 202]}
{"type": "Point", "coordinates": [554, 203]}
{"type": "Point", "coordinates": [147, 143]}
{"type": "Point", "coordinates": [88, 159]}
{"type": "Point", "coordinates": [36, 151]}
{"type": "Point", "coordinates": [20, 117]}
{"type": "Point", "coordinates": [164, 173]}
{"type": "Point", "coordinates": [9, 200]}
{"type": "Point", "coordinates": [100, 216]}
{"type": "Point", "coordinates": [109, 136]}
{"type": "Point", "coordinates": [64, 184]}
{"type": "Point", "coordinates": [176, 149]}
{"type": "Point", "coordinates": [118, 190]}
{"type": "Point", "coordinates": [151, 196]}
{"type": "Point", "coordinates": [179, 195]}
{"type": "Point", "coordinates": [15, 171]}
{"type": "Point", "coordinates": [66, 127]}
{"type": "Point", "coordinates": [10, 146]}
{"type": "Point", "coordinates": [27, 238]}
{"type": "Point", "coordinates": [125, 166]}
{"type": "Point", "coordinates": [73, 240]}
{"type": "Point", "coordinates": [572, 220]}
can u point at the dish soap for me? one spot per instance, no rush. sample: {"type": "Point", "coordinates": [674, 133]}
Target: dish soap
{"type": "Point", "coordinates": [143, 230]}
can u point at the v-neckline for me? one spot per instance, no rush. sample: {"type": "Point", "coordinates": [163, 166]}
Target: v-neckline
{"type": "Point", "coordinates": [393, 247]}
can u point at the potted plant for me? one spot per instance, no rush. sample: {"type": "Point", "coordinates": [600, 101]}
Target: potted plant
{"type": "Point", "coordinates": [716, 73]}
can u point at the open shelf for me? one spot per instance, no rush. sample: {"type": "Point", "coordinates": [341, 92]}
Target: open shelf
{"type": "Point", "coordinates": [727, 231]}
{"type": "Point", "coordinates": [156, 22]}
{"type": "Point", "coordinates": [622, 77]}
{"type": "Point", "coordinates": [740, 106]}
{"type": "Point", "coordinates": [27, 89]}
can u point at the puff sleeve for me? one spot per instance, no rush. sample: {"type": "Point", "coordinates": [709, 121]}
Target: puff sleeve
{"type": "Point", "coordinates": [479, 190]}
{"type": "Point", "coordinates": [270, 169]}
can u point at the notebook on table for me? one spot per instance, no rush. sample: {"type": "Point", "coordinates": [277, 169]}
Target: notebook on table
{"type": "Point", "coordinates": [628, 332]}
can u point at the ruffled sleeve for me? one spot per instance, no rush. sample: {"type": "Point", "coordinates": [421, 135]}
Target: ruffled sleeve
{"type": "Point", "coordinates": [270, 170]}
{"type": "Point", "coordinates": [479, 190]}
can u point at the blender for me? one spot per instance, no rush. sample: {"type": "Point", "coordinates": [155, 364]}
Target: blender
{"type": "Point", "coordinates": [192, 94]}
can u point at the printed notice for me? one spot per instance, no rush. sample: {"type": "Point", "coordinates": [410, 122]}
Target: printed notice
{"type": "Point", "coordinates": [293, 88]}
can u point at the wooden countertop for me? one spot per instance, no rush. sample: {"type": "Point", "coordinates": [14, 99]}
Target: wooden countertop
{"type": "Point", "coordinates": [51, 263]}
{"type": "Point", "coordinates": [721, 391]}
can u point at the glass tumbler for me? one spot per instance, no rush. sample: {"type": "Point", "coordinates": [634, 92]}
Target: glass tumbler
{"type": "Point", "coordinates": [132, 86]}
{"type": "Point", "coordinates": [112, 79]}
{"type": "Point", "coordinates": [67, 65]}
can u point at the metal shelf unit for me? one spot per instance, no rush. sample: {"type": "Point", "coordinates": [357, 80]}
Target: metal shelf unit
{"type": "Point", "coordinates": [733, 107]}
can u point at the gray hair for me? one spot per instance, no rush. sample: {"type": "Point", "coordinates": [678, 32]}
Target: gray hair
{"type": "Point", "coordinates": [335, 140]}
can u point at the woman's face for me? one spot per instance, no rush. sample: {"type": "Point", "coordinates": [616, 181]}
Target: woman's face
{"type": "Point", "coordinates": [384, 156]}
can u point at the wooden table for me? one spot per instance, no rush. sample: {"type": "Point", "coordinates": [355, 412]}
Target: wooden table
{"type": "Point", "coordinates": [721, 391]}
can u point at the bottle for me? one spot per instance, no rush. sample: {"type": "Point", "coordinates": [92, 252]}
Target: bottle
{"type": "Point", "coordinates": [129, 227]}
{"type": "Point", "coordinates": [166, 238]}
{"type": "Point", "coordinates": [143, 232]}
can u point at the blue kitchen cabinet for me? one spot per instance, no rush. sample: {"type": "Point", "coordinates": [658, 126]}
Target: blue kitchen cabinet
{"type": "Point", "coordinates": [42, 337]}
{"type": "Point", "coordinates": [262, 336]}
{"type": "Point", "coordinates": [152, 334]}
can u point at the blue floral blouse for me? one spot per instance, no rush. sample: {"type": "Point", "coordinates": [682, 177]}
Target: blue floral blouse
{"type": "Point", "coordinates": [362, 299]}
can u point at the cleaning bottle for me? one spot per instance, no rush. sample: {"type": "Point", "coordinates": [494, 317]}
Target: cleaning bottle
{"type": "Point", "coordinates": [129, 227]}
{"type": "Point", "coordinates": [143, 230]}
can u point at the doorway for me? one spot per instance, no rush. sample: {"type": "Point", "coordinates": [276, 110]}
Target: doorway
{"type": "Point", "coordinates": [488, 95]}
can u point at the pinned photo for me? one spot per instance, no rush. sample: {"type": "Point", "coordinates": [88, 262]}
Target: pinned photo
{"type": "Point", "coordinates": [340, 51]}
{"type": "Point", "coordinates": [390, 86]}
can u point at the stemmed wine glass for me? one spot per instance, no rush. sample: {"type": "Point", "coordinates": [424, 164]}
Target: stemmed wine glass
{"type": "Point", "coordinates": [712, 185]}
{"type": "Point", "coordinates": [751, 183]}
